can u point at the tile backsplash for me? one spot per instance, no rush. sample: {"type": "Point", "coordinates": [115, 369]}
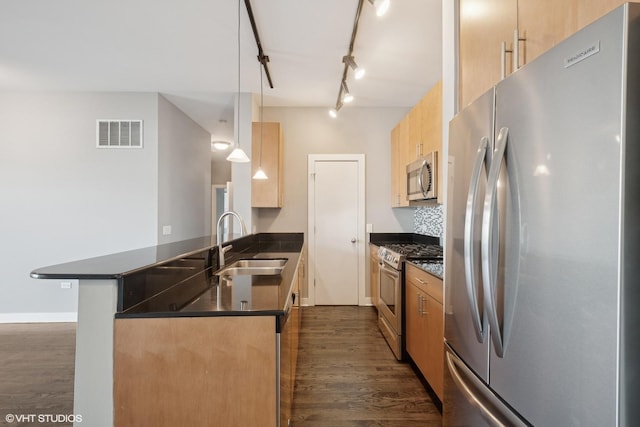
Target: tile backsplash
{"type": "Point", "coordinates": [429, 220]}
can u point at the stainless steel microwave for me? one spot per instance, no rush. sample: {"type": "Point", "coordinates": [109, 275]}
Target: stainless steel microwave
{"type": "Point", "coordinates": [422, 178]}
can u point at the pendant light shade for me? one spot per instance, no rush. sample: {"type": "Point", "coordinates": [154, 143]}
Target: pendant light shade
{"type": "Point", "coordinates": [238, 156]}
{"type": "Point", "coordinates": [260, 174]}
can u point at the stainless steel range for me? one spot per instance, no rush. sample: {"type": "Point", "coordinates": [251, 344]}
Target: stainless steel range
{"type": "Point", "coordinates": [390, 305]}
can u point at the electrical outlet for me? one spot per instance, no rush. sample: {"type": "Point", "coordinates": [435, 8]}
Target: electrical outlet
{"type": "Point", "coordinates": [65, 285]}
{"type": "Point", "coordinates": [166, 230]}
{"type": "Point", "coordinates": [369, 228]}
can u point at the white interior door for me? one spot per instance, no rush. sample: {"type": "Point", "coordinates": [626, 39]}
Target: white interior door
{"type": "Point", "coordinates": [336, 217]}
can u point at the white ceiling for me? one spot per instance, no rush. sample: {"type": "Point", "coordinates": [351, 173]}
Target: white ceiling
{"type": "Point", "coordinates": [187, 50]}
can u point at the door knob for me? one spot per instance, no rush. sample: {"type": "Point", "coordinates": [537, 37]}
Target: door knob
{"type": "Point", "coordinates": [353, 240]}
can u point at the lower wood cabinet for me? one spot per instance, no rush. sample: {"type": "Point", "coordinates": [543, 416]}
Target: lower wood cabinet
{"type": "Point", "coordinates": [374, 274]}
{"type": "Point", "coordinates": [195, 371]}
{"type": "Point", "coordinates": [425, 325]}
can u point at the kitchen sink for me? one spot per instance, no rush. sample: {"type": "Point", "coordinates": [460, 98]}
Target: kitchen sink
{"type": "Point", "coordinates": [260, 262]}
{"type": "Point", "coordinates": [254, 266]}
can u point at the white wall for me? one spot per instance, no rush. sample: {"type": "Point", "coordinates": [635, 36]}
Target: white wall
{"type": "Point", "coordinates": [63, 199]}
{"type": "Point", "coordinates": [184, 175]}
{"type": "Point", "coordinates": [356, 130]}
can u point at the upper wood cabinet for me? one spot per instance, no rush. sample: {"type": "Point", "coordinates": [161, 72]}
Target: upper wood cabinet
{"type": "Point", "coordinates": [399, 156]}
{"type": "Point", "coordinates": [540, 24]}
{"type": "Point", "coordinates": [590, 10]}
{"type": "Point", "coordinates": [484, 25]}
{"type": "Point", "coordinates": [266, 150]}
{"type": "Point", "coordinates": [417, 134]}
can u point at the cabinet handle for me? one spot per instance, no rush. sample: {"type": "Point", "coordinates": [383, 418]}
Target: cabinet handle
{"type": "Point", "coordinates": [419, 305]}
{"type": "Point", "coordinates": [503, 59]}
{"type": "Point", "coordinates": [516, 49]}
{"type": "Point", "coordinates": [421, 281]}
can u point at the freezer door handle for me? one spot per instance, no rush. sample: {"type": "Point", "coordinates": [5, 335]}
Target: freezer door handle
{"type": "Point", "coordinates": [479, 395]}
{"type": "Point", "coordinates": [469, 255]}
{"type": "Point", "coordinates": [488, 243]}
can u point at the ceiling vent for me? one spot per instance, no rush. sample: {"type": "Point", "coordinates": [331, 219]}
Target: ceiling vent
{"type": "Point", "coordinates": [119, 133]}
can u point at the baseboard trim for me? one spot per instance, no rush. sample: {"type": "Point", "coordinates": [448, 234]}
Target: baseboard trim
{"type": "Point", "coordinates": [71, 317]}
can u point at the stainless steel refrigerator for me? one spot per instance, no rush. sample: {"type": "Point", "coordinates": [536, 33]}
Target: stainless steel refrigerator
{"type": "Point", "coordinates": [542, 305]}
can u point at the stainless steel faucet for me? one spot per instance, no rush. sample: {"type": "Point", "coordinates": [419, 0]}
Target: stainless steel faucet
{"type": "Point", "coordinates": [221, 251]}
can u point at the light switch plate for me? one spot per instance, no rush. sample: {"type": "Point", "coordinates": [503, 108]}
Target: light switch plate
{"type": "Point", "coordinates": [166, 230]}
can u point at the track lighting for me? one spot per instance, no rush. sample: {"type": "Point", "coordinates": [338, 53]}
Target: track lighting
{"type": "Point", "coordinates": [346, 96]}
{"type": "Point", "coordinates": [382, 6]}
{"type": "Point", "coordinates": [349, 62]}
{"type": "Point", "coordinates": [358, 72]}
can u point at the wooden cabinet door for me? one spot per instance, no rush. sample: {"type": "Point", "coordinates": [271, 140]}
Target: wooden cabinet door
{"type": "Point", "coordinates": [430, 109]}
{"type": "Point", "coordinates": [266, 150]}
{"type": "Point", "coordinates": [544, 23]}
{"type": "Point", "coordinates": [484, 24]}
{"type": "Point", "coordinates": [374, 275]}
{"type": "Point", "coordinates": [415, 142]}
{"type": "Point", "coordinates": [590, 10]}
{"type": "Point", "coordinates": [435, 347]}
{"type": "Point", "coordinates": [416, 339]}
{"type": "Point", "coordinates": [395, 166]}
{"type": "Point", "coordinates": [399, 143]}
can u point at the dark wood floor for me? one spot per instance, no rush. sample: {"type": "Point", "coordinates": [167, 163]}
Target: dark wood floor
{"type": "Point", "coordinates": [347, 375]}
{"type": "Point", "coordinates": [36, 370]}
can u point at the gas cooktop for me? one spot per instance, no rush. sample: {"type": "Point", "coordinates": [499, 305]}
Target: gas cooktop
{"type": "Point", "coordinates": [416, 250]}
{"type": "Point", "coordinates": [395, 253]}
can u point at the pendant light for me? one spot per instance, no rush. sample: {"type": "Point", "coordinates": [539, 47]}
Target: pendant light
{"type": "Point", "coordinates": [260, 172]}
{"type": "Point", "coordinates": [238, 155]}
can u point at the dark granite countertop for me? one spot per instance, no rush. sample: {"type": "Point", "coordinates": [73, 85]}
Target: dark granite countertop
{"type": "Point", "coordinates": [380, 239]}
{"type": "Point", "coordinates": [114, 266]}
{"type": "Point", "coordinates": [224, 296]}
{"type": "Point", "coordinates": [178, 279]}
{"type": "Point", "coordinates": [434, 268]}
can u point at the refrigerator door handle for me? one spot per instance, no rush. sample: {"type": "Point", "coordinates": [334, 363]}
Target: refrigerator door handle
{"type": "Point", "coordinates": [469, 255]}
{"type": "Point", "coordinates": [479, 395]}
{"type": "Point", "coordinates": [489, 235]}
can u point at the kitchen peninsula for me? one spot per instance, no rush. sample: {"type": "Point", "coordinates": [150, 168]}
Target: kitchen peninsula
{"type": "Point", "coordinates": [164, 340]}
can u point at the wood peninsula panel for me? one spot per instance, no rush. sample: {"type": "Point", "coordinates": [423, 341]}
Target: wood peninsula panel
{"type": "Point", "coordinates": [195, 371]}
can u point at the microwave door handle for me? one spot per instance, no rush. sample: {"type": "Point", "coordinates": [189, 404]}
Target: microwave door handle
{"type": "Point", "coordinates": [469, 247]}
{"type": "Point", "coordinates": [488, 242]}
{"type": "Point", "coordinates": [420, 180]}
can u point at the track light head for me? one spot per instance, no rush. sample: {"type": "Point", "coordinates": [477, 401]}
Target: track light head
{"type": "Point", "coordinates": [346, 96]}
{"type": "Point", "coordinates": [382, 6]}
{"type": "Point", "coordinates": [358, 72]}
{"type": "Point", "coordinates": [334, 111]}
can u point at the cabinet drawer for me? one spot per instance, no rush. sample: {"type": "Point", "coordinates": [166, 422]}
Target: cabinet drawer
{"type": "Point", "coordinates": [424, 281]}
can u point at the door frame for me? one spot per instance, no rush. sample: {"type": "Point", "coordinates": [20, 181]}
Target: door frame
{"type": "Point", "coordinates": [360, 235]}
